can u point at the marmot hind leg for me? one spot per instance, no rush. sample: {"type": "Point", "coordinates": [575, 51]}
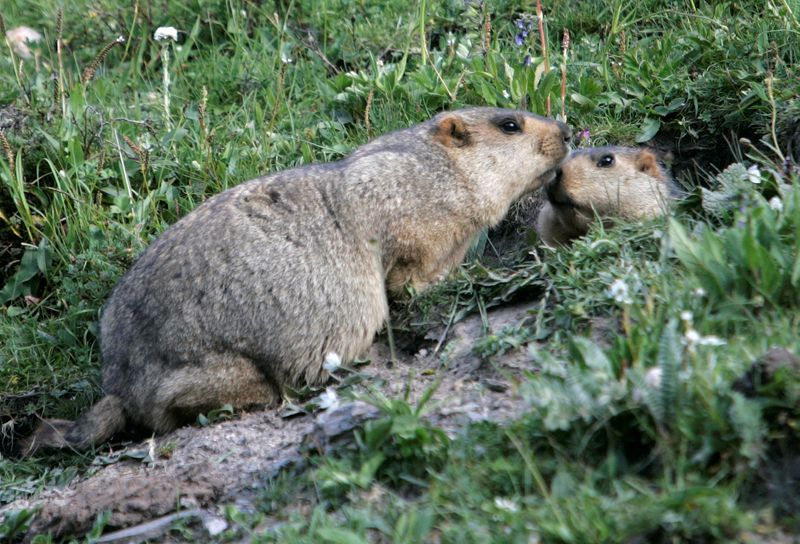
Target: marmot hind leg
{"type": "Point", "coordinates": [227, 378]}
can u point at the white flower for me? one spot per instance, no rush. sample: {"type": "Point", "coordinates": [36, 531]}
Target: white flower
{"type": "Point", "coordinates": [19, 37]}
{"type": "Point", "coordinates": [501, 503]}
{"type": "Point", "coordinates": [166, 33]}
{"type": "Point", "coordinates": [286, 59]}
{"type": "Point", "coordinates": [196, 165]}
{"type": "Point", "coordinates": [329, 400]}
{"type": "Point", "coordinates": [506, 95]}
{"type": "Point", "coordinates": [653, 377]}
{"type": "Point", "coordinates": [776, 203]}
{"type": "Point", "coordinates": [618, 290]}
{"type": "Point", "coordinates": [699, 292]}
{"type": "Point", "coordinates": [694, 338]}
{"type": "Point", "coordinates": [754, 174]}
{"type": "Point", "coordinates": [215, 525]}
{"type": "Point", "coordinates": [686, 316]}
{"type": "Point", "coordinates": [712, 341]}
{"type": "Point", "coordinates": [332, 362]}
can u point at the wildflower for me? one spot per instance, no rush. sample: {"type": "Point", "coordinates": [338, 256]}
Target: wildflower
{"type": "Point", "coordinates": [712, 341]}
{"type": "Point", "coordinates": [618, 291]}
{"type": "Point", "coordinates": [776, 203]}
{"type": "Point", "coordinates": [506, 95]}
{"type": "Point", "coordinates": [524, 26]}
{"type": "Point", "coordinates": [694, 338]}
{"type": "Point", "coordinates": [196, 166]}
{"type": "Point", "coordinates": [451, 39]}
{"type": "Point", "coordinates": [332, 362]}
{"type": "Point", "coordinates": [653, 377]}
{"type": "Point", "coordinates": [699, 292]}
{"type": "Point", "coordinates": [686, 316]}
{"type": "Point", "coordinates": [89, 71]}
{"type": "Point", "coordinates": [20, 37]}
{"type": "Point", "coordinates": [501, 503]}
{"type": "Point", "coordinates": [527, 61]}
{"type": "Point", "coordinates": [329, 400]}
{"type": "Point", "coordinates": [166, 33]}
{"type": "Point", "coordinates": [754, 174]}
{"type": "Point", "coordinates": [215, 526]}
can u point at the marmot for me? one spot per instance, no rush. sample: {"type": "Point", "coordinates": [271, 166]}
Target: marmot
{"type": "Point", "coordinates": [250, 291]}
{"type": "Point", "coordinates": [606, 182]}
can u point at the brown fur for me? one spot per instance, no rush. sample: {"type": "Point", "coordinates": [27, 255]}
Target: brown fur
{"type": "Point", "coordinates": [250, 291]}
{"type": "Point", "coordinates": [605, 182]}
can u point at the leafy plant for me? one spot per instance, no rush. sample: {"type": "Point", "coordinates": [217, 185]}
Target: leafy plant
{"type": "Point", "coordinates": [757, 260]}
{"type": "Point", "coordinates": [399, 447]}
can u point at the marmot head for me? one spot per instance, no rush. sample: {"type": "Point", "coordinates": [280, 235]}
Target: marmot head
{"type": "Point", "coordinates": [612, 182]}
{"type": "Point", "coordinates": [609, 182]}
{"type": "Point", "coordinates": [503, 153]}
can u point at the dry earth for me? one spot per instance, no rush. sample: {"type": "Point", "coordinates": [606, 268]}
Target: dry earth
{"type": "Point", "coordinates": [194, 469]}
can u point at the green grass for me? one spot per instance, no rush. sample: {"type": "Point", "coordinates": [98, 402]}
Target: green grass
{"type": "Point", "coordinates": [603, 454]}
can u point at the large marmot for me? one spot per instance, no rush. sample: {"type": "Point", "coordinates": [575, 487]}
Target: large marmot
{"type": "Point", "coordinates": [249, 292]}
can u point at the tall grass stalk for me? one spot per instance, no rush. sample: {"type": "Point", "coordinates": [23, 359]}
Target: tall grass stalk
{"type": "Point", "coordinates": [543, 41]}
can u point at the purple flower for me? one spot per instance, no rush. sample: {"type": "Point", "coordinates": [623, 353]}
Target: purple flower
{"type": "Point", "coordinates": [525, 28]}
{"type": "Point", "coordinates": [527, 61]}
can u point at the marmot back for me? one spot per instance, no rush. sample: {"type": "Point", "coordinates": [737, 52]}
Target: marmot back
{"type": "Point", "coordinates": [606, 182]}
{"type": "Point", "coordinates": [248, 293]}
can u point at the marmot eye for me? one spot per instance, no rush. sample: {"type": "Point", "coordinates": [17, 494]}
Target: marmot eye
{"type": "Point", "coordinates": [605, 161]}
{"type": "Point", "coordinates": [509, 126]}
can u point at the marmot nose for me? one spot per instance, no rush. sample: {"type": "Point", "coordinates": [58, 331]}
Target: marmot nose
{"type": "Point", "coordinates": [566, 132]}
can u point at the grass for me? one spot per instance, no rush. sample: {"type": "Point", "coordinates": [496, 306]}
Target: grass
{"type": "Point", "coordinates": [641, 433]}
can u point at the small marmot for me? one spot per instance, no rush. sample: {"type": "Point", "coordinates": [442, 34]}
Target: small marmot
{"type": "Point", "coordinates": [248, 293]}
{"type": "Point", "coordinates": [606, 182]}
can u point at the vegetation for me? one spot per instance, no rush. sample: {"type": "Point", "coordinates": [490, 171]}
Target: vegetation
{"type": "Point", "coordinates": [668, 428]}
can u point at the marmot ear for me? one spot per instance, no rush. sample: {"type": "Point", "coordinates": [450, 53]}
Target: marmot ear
{"type": "Point", "coordinates": [451, 131]}
{"type": "Point", "coordinates": [647, 162]}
